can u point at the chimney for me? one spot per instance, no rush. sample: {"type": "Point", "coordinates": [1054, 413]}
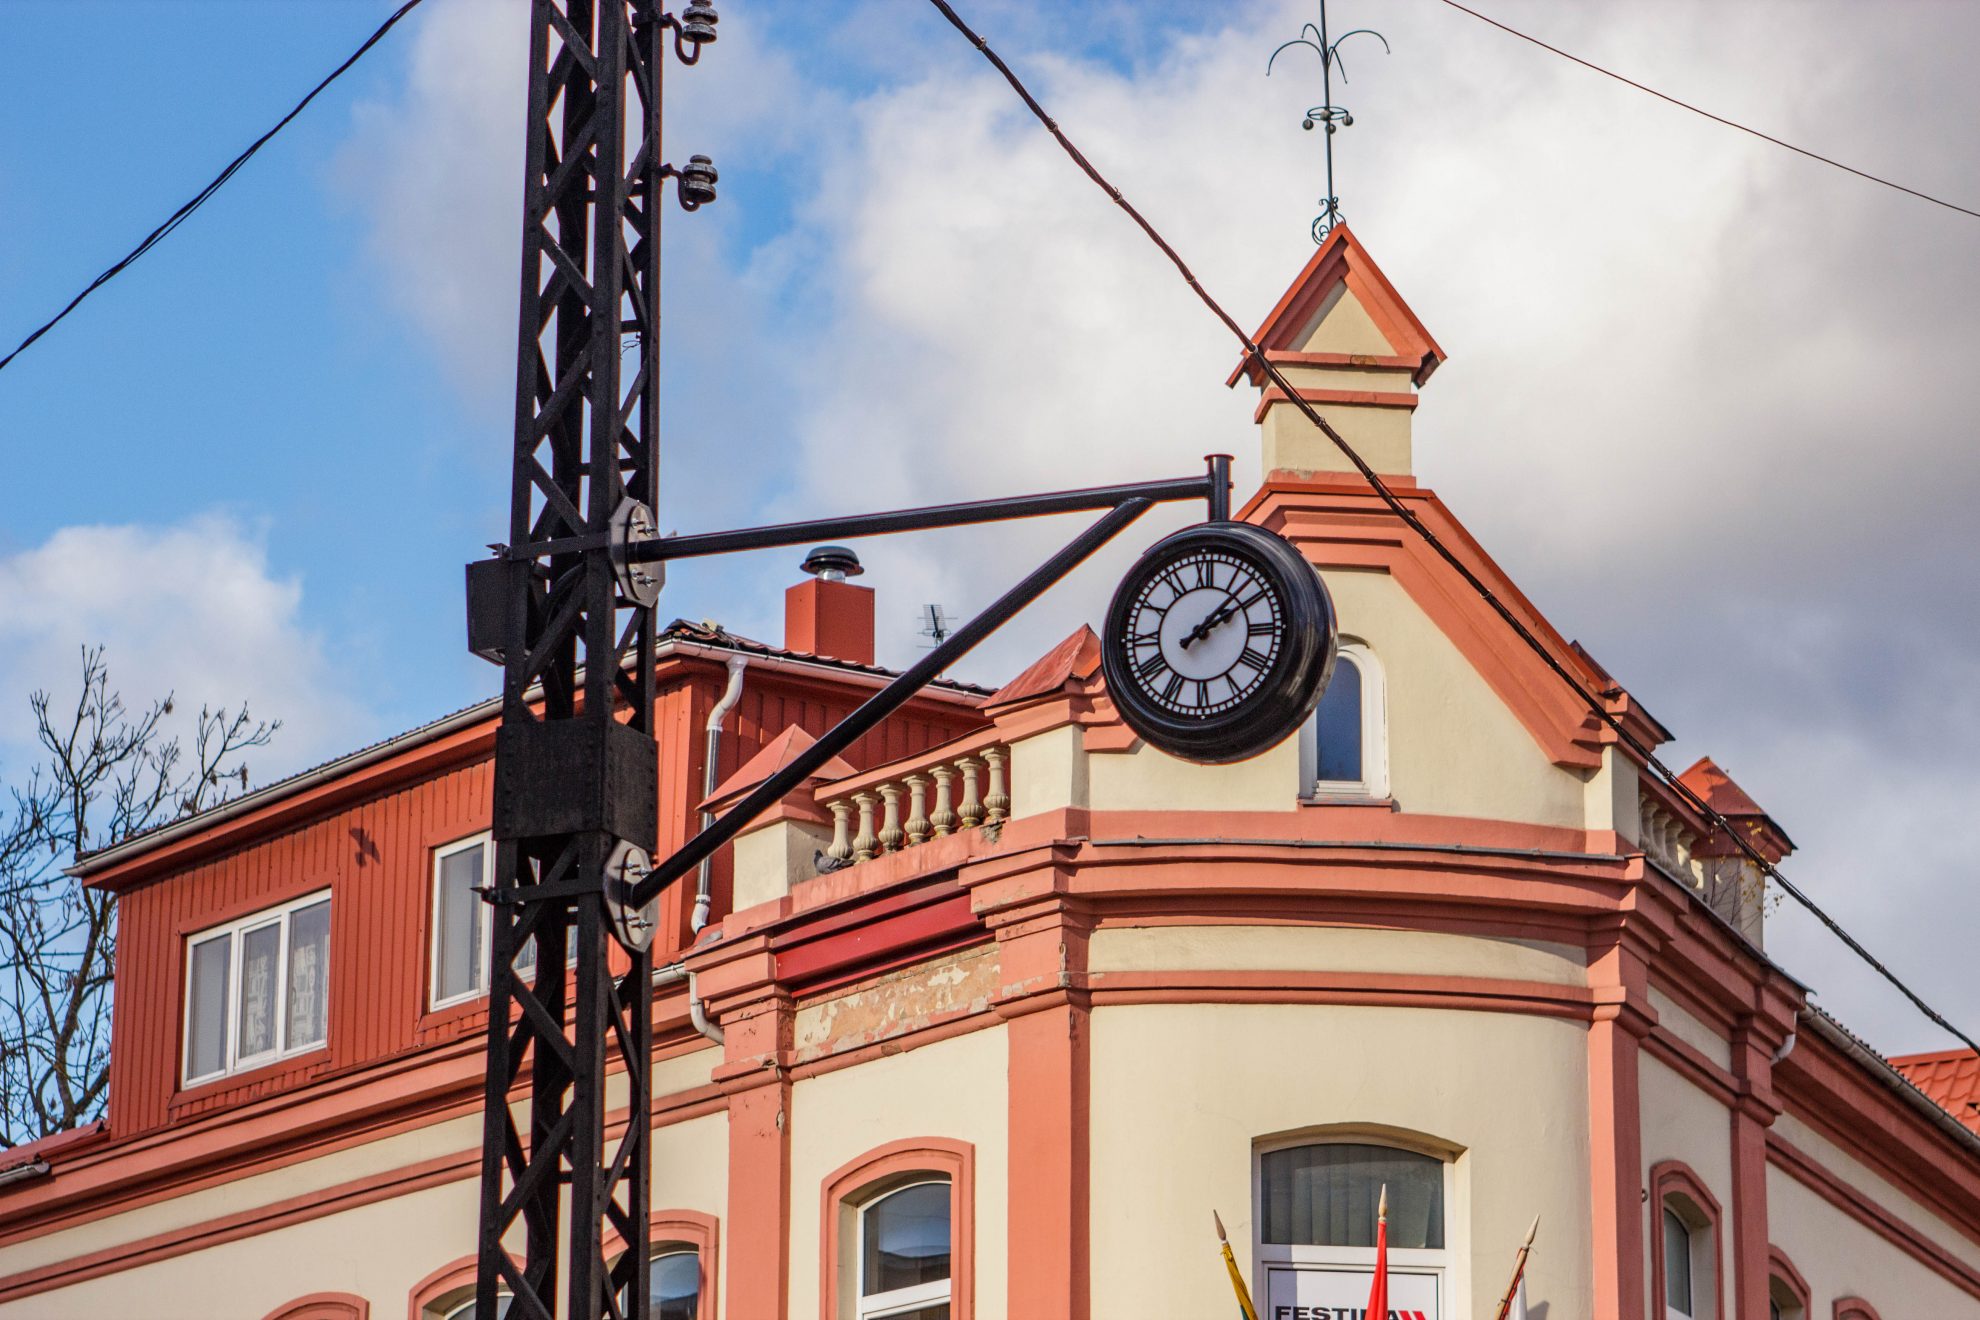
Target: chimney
{"type": "Point", "coordinates": [828, 615]}
{"type": "Point", "coordinates": [1350, 346]}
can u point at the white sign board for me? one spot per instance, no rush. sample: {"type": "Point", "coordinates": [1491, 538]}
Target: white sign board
{"type": "Point", "coordinates": [1340, 1292]}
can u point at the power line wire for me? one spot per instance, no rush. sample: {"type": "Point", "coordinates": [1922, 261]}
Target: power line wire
{"type": "Point", "coordinates": [1430, 538]}
{"type": "Point", "coordinates": [1717, 119]}
{"type": "Point", "coordinates": [199, 199]}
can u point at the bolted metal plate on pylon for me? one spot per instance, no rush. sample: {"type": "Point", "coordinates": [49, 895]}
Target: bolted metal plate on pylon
{"type": "Point", "coordinates": [632, 522]}
{"type": "Point", "coordinates": [625, 867]}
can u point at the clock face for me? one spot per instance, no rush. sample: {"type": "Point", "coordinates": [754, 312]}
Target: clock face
{"type": "Point", "coordinates": [1218, 643]}
{"type": "Point", "coordinates": [1204, 632]}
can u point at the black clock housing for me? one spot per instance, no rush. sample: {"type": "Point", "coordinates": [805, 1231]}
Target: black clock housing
{"type": "Point", "coordinates": [1219, 642]}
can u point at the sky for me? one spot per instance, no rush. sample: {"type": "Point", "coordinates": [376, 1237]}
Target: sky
{"type": "Point", "coordinates": [1705, 400]}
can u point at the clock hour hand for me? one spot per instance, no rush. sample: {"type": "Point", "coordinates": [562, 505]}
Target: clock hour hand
{"type": "Point", "coordinates": [1215, 617]}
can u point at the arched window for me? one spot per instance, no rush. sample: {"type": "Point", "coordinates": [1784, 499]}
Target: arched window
{"type": "Point", "coordinates": [897, 1233]}
{"type": "Point", "coordinates": [904, 1251]}
{"type": "Point", "coordinates": [1315, 1226]}
{"type": "Point", "coordinates": [1344, 751]}
{"type": "Point", "coordinates": [1685, 1241]}
{"type": "Point", "coordinates": [1787, 1291]}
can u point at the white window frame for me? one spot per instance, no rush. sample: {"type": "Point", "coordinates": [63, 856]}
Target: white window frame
{"type": "Point", "coordinates": [1374, 781]}
{"type": "Point", "coordinates": [1442, 1263]}
{"type": "Point", "coordinates": [236, 932]}
{"type": "Point", "coordinates": [900, 1301]}
{"type": "Point", "coordinates": [1698, 1255]}
{"type": "Point", "coordinates": [484, 914]}
{"type": "Point", "coordinates": [478, 986]}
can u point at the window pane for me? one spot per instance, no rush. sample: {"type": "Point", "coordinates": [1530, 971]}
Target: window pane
{"type": "Point", "coordinates": [1327, 1195]}
{"type": "Point", "coordinates": [1677, 1263]}
{"type": "Point", "coordinates": [309, 976]}
{"type": "Point", "coordinates": [460, 959]}
{"type": "Point", "coordinates": [676, 1286]}
{"type": "Point", "coordinates": [906, 1239]}
{"type": "Point", "coordinates": [206, 1013]}
{"type": "Point", "coordinates": [1338, 725]}
{"type": "Point", "coordinates": [260, 950]}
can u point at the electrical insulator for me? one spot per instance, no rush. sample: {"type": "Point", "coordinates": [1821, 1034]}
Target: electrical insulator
{"type": "Point", "coordinates": [698, 22]}
{"type": "Point", "coordinates": [698, 182]}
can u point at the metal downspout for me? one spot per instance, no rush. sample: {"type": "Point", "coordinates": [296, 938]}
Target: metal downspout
{"type": "Point", "coordinates": [711, 759]}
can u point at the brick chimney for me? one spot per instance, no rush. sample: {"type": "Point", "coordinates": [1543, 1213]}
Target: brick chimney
{"type": "Point", "coordinates": [827, 615]}
{"type": "Point", "coordinates": [1347, 342]}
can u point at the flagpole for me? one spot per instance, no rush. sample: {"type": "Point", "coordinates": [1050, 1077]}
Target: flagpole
{"type": "Point", "coordinates": [1519, 1272]}
{"type": "Point", "coordinates": [1237, 1279]}
{"type": "Point", "coordinates": [1378, 1288]}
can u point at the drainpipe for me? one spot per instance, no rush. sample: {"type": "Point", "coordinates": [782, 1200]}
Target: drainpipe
{"type": "Point", "coordinates": [709, 780]}
{"type": "Point", "coordinates": [672, 974]}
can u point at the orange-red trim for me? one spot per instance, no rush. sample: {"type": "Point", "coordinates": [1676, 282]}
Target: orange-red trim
{"type": "Point", "coordinates": [687, 1228]}
{"type": "Point", "coordinates": [1342, 259]}
{"type": "Point", "coordinates": [323, 1306]}
{"type": "Point", "coordinates": [1855, 1308]}
{"type": "Point", "coordinates": [1781, 1268]}
{"type": "Point", "coordinates": [937, 1155]}
{"type": "Point", "coordinates": [1790, 1159]}
{"type": "Point", "coordinates": [1669, 1176]}
{"type": "Point", "coordinates": [429, 1291]}
{"type": "Point", "coordinates": [1354, 398]}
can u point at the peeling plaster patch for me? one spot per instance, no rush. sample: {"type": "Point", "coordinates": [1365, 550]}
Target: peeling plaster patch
{"type": "Point", "coordinates": [899, 1002]}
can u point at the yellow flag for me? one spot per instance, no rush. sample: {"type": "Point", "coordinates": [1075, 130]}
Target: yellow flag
{"type": "Point", "coordinates": [1237, 1279]}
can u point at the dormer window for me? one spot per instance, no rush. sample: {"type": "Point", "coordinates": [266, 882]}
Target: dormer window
{"type": "Point", "coordinates": [258, 989]}
{"type": "Point", "coordinates": [1344, 751]}
{"type": "Point", "coordinates": [462, 872]}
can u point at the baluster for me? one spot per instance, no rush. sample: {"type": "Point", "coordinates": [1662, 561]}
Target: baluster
{"type": "Point", "coordinates": [917, 821]}
{"type": "Point", "coordinates": [864, 843]}
{"type": "Point", "coordinates": [997, 802]}
{"type": "Point", "coordinates": [972, 806]}
{"type": "Point", "coordinates": [944, 819]}
{"type": "Point", "coordinates": [890, 827]}
{"type": "Point", "coordinates": [841, 849]}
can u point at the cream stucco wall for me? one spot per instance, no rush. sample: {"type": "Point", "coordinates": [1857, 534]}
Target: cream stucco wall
{"type": "Point", "coordinates": [1181, 1092]}
{"type": "Point", "coordinates": [1681, 1023]}
{"type": "Point", "coordinates": [1454, 747]}
{"type": "Point", "coordinates": [1332, 948]}
{"type": "Point", "coordinates": [1147, 780]}
{"type": "Point", "coordinates": [378, 1251]}
{"type": "Point", "coordinates": [1840, 1258]}
{"type": "Point", "coordinates": [1681, 1122]}
{"type": "Point", "coordinates": [955, 1089]}
{"type": "Point", "coordinates": [1876, 1189]}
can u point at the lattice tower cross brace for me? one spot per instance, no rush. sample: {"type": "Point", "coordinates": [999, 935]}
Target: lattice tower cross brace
{"type": "Point", "coordinates": [575, 762]}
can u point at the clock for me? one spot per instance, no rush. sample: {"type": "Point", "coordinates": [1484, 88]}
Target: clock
{"type": "Point", "coordinates": [1218, 643]}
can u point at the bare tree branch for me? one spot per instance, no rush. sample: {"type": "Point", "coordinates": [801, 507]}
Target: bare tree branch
{"type": "Point", "coordinates": [105, 775]}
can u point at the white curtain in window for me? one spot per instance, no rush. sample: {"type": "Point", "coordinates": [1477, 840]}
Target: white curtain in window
{"type": "Point", "coordinates": [309, 974]}
{"type": "Point", "coordinates": [261, 952]}
{"type": "Point", "coordinates": [1326, 1196]}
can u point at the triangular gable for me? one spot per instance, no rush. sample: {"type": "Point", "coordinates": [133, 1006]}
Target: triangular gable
{"type": "Point", "coordinates": [776, 754]}
{"type": "Point", "coordinates": [1341, 268]}
{"type": "Point", "coordinates": [1074, 659]}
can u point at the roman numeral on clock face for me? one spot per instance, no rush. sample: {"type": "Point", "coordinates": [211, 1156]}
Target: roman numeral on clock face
{"type": "Point", "coordinates": [1256, 659]}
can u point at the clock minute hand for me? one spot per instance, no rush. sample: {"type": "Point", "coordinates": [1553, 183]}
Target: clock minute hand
{"type": "Point", "coordinates": [1215, 617]}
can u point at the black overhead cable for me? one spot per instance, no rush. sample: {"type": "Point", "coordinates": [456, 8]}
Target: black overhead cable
{"type": "Point", "coordinates": [1717, 119]}
{"type": "Point", "coordinates": [199, 198]}
{"type": "Point", "coordinates": [1430, 538]}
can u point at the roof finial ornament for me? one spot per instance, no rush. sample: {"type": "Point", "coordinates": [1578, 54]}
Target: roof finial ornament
{"type": "Point", "coordinates": [1326, 114]}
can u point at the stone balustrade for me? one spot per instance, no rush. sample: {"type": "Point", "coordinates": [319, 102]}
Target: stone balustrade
{"type": "Point", "coordinates": [962, 785]}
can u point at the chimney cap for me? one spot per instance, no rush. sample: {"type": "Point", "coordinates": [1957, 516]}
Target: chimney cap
{"type": "Point", "coordinates": [832, 563]}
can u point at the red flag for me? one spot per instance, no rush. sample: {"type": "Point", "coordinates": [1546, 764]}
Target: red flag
{"type": "Point", "coordinates": [1378, 1291]}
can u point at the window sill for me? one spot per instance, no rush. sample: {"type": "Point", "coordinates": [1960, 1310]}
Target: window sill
{"type": "Point", "coordinates": [294, 1067]}
{"type": "Point", "coordinates": [1349, 800]}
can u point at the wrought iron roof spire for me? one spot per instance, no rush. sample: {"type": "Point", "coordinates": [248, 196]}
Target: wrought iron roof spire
{"type": "Point", "coordinates": [1330, 116]}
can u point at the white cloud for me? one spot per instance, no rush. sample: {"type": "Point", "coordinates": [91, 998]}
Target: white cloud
{"type": "Point", "coordinates": [1702, 398]}
{"type": "Point", "coordinates": [190, 610]}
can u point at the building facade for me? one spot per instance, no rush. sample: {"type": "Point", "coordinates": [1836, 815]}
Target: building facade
{"type": "Point", "coordinates": [990, 1016]}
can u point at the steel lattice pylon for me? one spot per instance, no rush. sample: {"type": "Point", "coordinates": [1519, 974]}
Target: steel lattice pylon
{"type": "Point", "coordinates": [576, 764]}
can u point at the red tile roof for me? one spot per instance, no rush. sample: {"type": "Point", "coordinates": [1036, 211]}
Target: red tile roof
{"type": "Point", "coordinates": [1951, 1078]}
